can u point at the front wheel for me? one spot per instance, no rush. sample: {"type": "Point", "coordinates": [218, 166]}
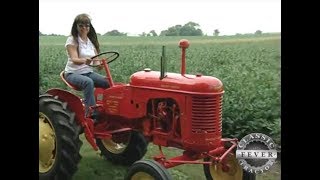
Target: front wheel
{"type": "Point", "coordinates": [123, 149]}
{"type": "Point", "coordinates": [235, 172]}
{"type": "Point", "coordinates": [147, 170]}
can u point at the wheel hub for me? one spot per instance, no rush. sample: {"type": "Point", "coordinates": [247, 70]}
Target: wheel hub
{"type": "Point", "coordinates": [142, 176]}
{"type": "Point", "coordinates": [113, 147]}
{"type": "Point", "coordinates": [47, 144]}
{"type": "Point", "coordinates": [231, 170]}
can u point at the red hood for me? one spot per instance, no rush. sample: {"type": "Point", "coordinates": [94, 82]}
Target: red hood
{"type": "Point", "coordinates": [175, 81]}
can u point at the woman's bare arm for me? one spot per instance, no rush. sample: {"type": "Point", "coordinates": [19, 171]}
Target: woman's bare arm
{"type": "Point", "coordinates": [73, 53]}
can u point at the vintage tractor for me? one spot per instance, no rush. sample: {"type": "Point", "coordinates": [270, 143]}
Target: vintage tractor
{"type": "Point", "coordinates": [168, 109]}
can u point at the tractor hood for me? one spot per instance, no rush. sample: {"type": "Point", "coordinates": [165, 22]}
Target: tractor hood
{"type": "Point", "coordinates": [174, 81]}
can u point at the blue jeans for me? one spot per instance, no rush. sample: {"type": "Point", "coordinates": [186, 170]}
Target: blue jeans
{"type": "Point", "coordinates": [87, 82]}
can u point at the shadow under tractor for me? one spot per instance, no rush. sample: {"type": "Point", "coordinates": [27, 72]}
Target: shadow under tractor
{"type": "Point", "coordinates": [168, 109]}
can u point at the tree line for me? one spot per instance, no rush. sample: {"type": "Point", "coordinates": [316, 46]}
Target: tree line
{"type": "Point", "coordinates": [188, 29]}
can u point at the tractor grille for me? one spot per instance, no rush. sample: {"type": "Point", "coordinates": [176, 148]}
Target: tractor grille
{"type": "Point", "coordinates": [206, 114]}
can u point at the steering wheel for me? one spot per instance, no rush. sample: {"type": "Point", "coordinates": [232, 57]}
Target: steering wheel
{"type": "Point", "coordinates": [108, 55]}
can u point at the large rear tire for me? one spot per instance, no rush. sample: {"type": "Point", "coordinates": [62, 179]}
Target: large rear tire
{"type": "Point", "coordinates": [147, 170]}
{"type": "Point", "coordinates": [131, 150]}
{"type": "Point", "coordinates": [59, 142]}
{"type": "Point", "coordinates": [215, 172]}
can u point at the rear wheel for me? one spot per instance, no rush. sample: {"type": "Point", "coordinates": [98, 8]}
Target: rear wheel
{"type": "Point", "coordinates": [147, 170]}
{"type": "Point", "coordinates": [235, 172]}
{"type": "Point", "coordinates": [123, 149]}
{"type": "Point", "coordinates": [59, 142]}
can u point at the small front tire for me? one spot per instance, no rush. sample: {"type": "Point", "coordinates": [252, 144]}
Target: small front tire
{"type": "Point", "coordinates": [147, 170]}
{"type": "Point", "coordinates": [131, 150]}
{"type": "Point", "coordinates": [215, 172]}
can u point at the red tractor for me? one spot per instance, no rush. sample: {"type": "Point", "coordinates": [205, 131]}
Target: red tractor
{"type": "Point", "coordinates": [168, 109]}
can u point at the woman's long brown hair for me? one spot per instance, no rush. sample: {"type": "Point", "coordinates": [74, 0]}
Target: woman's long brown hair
{"type": "Point", "coordinates": [92, 35]}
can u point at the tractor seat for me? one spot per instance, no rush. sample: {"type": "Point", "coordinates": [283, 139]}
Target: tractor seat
{"type": "Point", "coordinates": [68, 84]}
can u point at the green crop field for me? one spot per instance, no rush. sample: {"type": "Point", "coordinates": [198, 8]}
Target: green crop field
{"type": "Point", "coordinates": [248, 66]}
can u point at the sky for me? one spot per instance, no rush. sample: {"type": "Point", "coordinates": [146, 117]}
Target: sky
{"type": "Point", "coordinates": [137, 16]}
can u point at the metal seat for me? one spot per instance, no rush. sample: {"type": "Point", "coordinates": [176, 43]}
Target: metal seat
{"type": "Point", "coordinates": [68, 84]}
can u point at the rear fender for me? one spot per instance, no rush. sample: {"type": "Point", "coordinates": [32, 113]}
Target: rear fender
{"type": "Point", "coordinates": [74, 103]}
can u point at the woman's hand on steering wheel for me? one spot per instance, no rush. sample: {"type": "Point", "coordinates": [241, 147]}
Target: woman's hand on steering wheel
{"type": "Point", "coordinates": [96, 62]}
{"type": "Point", "coordinates": [88, 61]}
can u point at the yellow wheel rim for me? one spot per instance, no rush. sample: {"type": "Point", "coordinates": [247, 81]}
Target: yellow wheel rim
{"type": "Point", "coordinates": [47, 144]}
{"type": "Point", "coordinates": [115, 148]}
{"type": "Point", "coordinates": [142, 176]}
{"type": "Point", "coordinates": [234, 172]}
